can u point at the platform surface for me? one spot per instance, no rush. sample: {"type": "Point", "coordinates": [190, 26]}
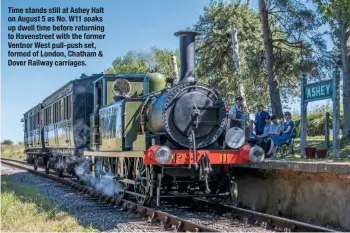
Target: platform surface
{"type": "Point", "coordinates": [327, 166]}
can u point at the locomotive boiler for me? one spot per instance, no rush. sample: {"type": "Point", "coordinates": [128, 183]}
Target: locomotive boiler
{"type": "Point", "coordinates": [150, 137]}
{"type": "Point", "coordinates": [190, 114]}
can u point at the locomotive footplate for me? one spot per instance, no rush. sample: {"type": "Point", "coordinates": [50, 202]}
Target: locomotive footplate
{"type": "Point", "coordinates": [185, 157]}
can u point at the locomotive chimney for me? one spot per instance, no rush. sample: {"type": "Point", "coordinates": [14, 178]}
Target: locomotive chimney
{"type": "Point", "coordinates": [187, 55]}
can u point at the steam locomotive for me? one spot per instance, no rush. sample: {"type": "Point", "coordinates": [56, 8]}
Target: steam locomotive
{"type": "Point", "coordinates": [151, 137]}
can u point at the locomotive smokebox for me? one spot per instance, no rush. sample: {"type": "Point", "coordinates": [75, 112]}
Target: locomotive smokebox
{"type": "Point", "coordinates": [187, 55]}
{"type": "Point", "coordinates": [190, 114]}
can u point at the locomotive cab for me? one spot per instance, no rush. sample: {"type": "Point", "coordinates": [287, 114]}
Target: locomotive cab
{"type": "Point", "coordinates": [115, 120]}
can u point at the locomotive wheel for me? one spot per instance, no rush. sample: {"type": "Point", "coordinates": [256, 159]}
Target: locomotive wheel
{"type": "Point", "coordinates": [46, 164]}
{"type": "Point", "coordinates": [47, 170]}
{"type": "Point", "coordinates": [76, 175]}
{"type": "Point", "coordinates": [123, 168]}
{"type": "Point", "coordinates": [98, 167]}
{"type": "Point", "coordinates": [35, 164]}
{"type": "Point", "coordinates": [59, 169]}
{"type": "Point", "coordinates": [142, 173]}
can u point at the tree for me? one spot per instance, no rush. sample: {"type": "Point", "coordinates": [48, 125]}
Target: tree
{"type": "Point", "coordinates": [7, 142]}
{"type": "Point", "coordinates": [214, 54]}
{"type": "Point", "coordinates": [290, 27]}
{"type": "Point", "coordinates": [276, 103]}
{"type": "Point", "coordinates": [163, 60]}
{"type": "Point", "coordinates": [337, 14]}
{"type": "Point", "coordinates": [158, 60]}
{"type": "Point", "coordinates": [214, 51]}
{"type": "Point", "coordinates": [132, 62]}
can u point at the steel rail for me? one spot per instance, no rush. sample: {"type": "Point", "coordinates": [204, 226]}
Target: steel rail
{"type": "Point", "coordinates": [166, 219]}
{"type": "Point", "coordinates": [270, 220]}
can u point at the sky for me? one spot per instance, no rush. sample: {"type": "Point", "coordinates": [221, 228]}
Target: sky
{"type": "Point", "coordinates": [129, 25]}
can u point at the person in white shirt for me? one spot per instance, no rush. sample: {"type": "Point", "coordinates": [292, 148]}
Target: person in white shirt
{"type": "Point", "coordinates": [235, 115]}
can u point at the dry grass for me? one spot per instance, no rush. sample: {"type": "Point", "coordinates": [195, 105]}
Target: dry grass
{"type": "Point", "coordinates": [318, 142]}
{"type": "Point", "coordinates": [13, 152]}
{"type": "Point", "coordinates": [23, 209]}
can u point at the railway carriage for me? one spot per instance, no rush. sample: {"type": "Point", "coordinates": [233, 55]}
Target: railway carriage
{"type": "Point", "coordinates": [153, 138]}
{"type": "Point", "coordinates": [33, 133]}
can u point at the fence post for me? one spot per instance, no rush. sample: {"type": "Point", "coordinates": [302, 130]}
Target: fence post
{"type": "Point", "coordinates": [336, 112]}
{"type": "Point", "coordinates": [327, 130]}
{"type": "Point", "coordinates": [303, 119]}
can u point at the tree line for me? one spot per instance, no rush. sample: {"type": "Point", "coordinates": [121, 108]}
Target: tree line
{"type": "Point", "coordinates": [277, 45]}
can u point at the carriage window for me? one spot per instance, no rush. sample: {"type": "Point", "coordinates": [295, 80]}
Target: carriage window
{"type": "Point", "coordinates": [30, 123]}
{"type": "Point", "coordinates": [51, 114]}
{"type": "Point", "coordinates": [64, 108]}
{"type": "Point", "coordinates": [55, 112]}
{"type": "Point", "coordinates": [69, 106]}
{"type": "Point", "coordinates": [47, 121]}
{"type": "Point", "coordinates": [59, 108]}
{"type": "Point", "coordinates": [29, 119]}
{"type": "Point", "coordinates": [38, 120]}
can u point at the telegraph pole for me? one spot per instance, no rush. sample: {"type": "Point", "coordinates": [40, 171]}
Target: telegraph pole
{"type": "Point", "coordinates": [236, 61]}
{"type": "Point", "coordinates": [175, 72]}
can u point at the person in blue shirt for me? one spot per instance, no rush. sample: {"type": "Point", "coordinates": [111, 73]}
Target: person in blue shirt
{"type": "Point", "coordinates": [265, 135]}
{"type": "Point", "coordinates": [274, 130]}
{"type": "Point", "coordinates": [235, 115]}
{"type": "Point", "coordinates": [260, 117]}
{"type": "Point", "coordinates": [285, 130]}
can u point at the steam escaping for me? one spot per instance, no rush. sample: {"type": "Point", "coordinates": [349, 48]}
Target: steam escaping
{"type": "Point", "coordinates": [149, 59]}
{"type": "Point", "coordinates": [104, 182]}
{"type": "Point", "coordinates": [81, 133]}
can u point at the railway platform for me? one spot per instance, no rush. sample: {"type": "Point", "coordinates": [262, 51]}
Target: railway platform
{"type": "Point", "coordinates": [312, 165]}
{"type": "Point", "coordinates": [313, 191]}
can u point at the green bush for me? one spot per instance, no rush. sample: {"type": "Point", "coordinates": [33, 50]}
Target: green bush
{"type": "Point", "coordinates": [7, 143]}
{"type": "Point", "coordinates": [316, 120]}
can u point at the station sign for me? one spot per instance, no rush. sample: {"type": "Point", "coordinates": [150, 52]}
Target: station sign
{"type": "Point", "coordinates": [318, 91]}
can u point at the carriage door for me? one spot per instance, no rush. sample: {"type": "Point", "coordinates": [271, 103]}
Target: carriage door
{"type": "Point", "coordinates": [95, 117]}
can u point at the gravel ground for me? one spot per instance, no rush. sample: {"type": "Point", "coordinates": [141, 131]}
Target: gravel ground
{"type": "Point", "coordinates": [102, 217]}
{"type": "Point", "coordinates": [105, 218]}
{"type": "Point", "coordinates": [212, 220]}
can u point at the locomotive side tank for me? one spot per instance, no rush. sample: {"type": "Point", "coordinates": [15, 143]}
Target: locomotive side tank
{"type": "Point", "coordinates": [190, 113]}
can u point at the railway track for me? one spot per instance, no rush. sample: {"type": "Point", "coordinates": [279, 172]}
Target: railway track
{"type": "Point", "coordinates": [270, 221]}
{"type": "Point", "coordinates": [168, 220]}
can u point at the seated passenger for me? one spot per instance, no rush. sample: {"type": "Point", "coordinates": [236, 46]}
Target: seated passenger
{"type": "Point", "coordinates": [265, 135]}
{"type": "Point", "coordinates": [285, 131]}
{"type": "Point", "coordinates": [274, 130]}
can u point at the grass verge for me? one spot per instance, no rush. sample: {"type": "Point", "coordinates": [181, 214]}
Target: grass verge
{"type": "Point", "coordinates": [24, 209]}
{"type": "Point", "coordinates": [318, 142]}
{"type": "Point", "coordinates": [13, 152]}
